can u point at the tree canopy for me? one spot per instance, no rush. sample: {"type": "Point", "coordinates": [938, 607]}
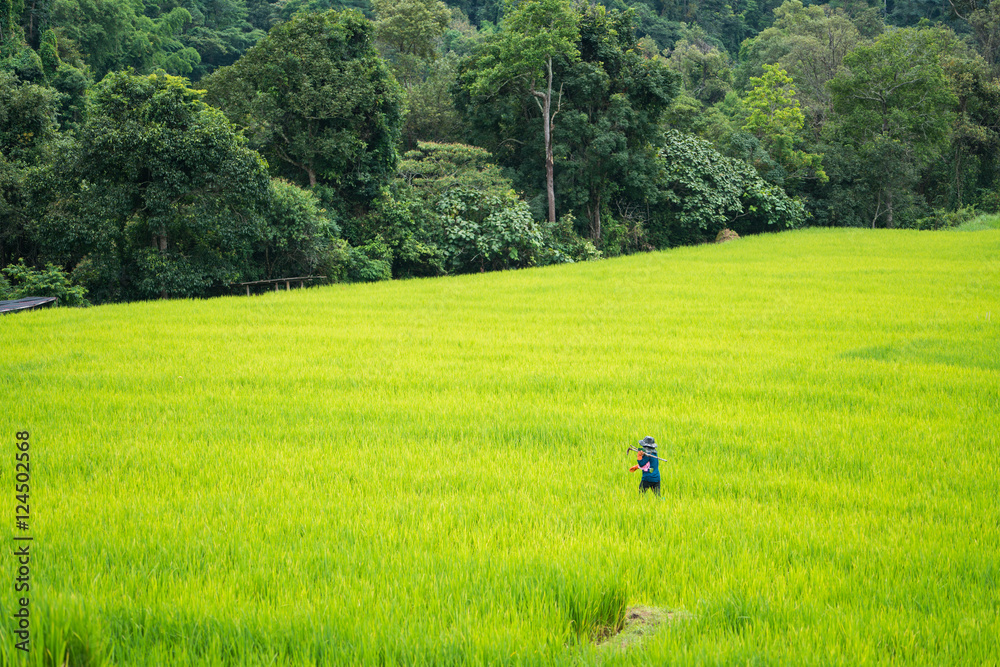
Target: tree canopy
{"type": "Point", "coordinates": [367, 139]}
{"type": "Point", "coordinates": [318, 102]}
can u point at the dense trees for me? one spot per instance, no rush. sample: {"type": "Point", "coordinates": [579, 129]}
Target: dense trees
{"type": "Point", "coordinates": [172, 201]}
{"type": "Point", "coordinates": [341, 142]}
{"type": "Point", "coordinates": [319, 104]}
{"type": "Point", "coordinates": [519, 62]}
{"type": "Point", "coordinates": [610, 97]}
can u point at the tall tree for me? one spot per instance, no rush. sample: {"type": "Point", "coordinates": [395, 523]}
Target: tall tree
{"type": "Point", "coordinates": [173, 199]}
{"type": "Point", "coordinates": [896, 110]}
{"type": "Point", "coordinates": [28, 128]}
{"type": "Point", "coordinates": [810, 44]}
{"type": "Point", "coordinates": [112, 35]}
{"type": "Point", "coordinates": [614, 101]}
{"type": "Point", "coordinates": [776, 119]}
{"type": "Point", "coordinates": [318, 101]}
{"type": "Point", "coordinates": [533, 35]}
{"type": "Point", "coordinates": [411, 27]}
{"type": "Point", "coordinates": [611, 99]}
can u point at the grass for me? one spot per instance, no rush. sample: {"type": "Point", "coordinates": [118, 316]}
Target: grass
{"type": "Point", "coordinates": [433, 472]}
{"type": "Point", "coordinates": [980, 223]}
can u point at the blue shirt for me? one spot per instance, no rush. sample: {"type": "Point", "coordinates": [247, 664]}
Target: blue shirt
{"type": "Point", "coordinates": [653, 474]}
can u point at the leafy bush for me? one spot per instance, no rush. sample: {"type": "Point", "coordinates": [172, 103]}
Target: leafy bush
{"type": "Point", "coordinates": [561, 244]}
{"type": "Point", "coordinates": [23, 281]}
{"type": "Point", "coordinates": [450, 210]}
{"type": "Point", "coordinates": [369, 263]}
{"type": "Point", "coordinates": [703, 192]}
{"type": "Point", "coordinates": [940, 219]}
{"type": "Point", "coordinates": [299, 235]}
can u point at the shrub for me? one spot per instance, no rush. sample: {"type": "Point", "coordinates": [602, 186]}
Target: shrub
{"type": "Point", "coordinates": [24, 281]}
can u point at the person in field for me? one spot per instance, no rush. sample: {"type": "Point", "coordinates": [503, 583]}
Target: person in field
{"type": "Point", "coordinates": [649, 464]}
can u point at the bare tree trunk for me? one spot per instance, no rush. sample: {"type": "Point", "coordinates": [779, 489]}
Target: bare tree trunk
{"type": "Point", "coordinates": [888, 209]}
{"type": "Point", "coordinates": [549, 162]}
{"type": "Point", "coordinates": [595, 218]}
{"type": "Point", "coordinates": [312, 176]}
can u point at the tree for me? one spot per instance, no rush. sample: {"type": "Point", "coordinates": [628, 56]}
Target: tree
{"type": "Point", "coordinates": [703, 192]}
{"type": "Point", "coordinates": [706, 71]}
{"type": "Point", "coordinates": [116, 34]}
{"type": "Point", "coordinates": [411, 27]}
{"type": "Point", "coordinates": [985, 22]}
{"type": "Point", "coordinates": [299, 237]}
{"type": "Point", "coordinates": [809, 43]}
{"type": "Point", "coordinates": [614, 100]}
{"type": "Point", "coordinates": [469, 215]}
{"type": "Point", "coordinates": [165, 199]}
{"type": "Point", "coordinates": [409, 32]}
{"type": "Point", "coordinates": [28, 128]}
{"type": "Point", "coordinates": [777, 120]}
{"type": "Point", "coordinates": [519, 60]}
{"type": "Point", "coordinates": [319, 103]}
{"type": "Point", "coordinates": [18, 281]}
{"type": "Point", "coordinates": [219, 30]}
{"type": "Point", "coordinates": [895, 109]}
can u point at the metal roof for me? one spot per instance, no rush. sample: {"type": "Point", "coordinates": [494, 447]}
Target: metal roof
{"type": "Point", "coordinates": [26, 304]}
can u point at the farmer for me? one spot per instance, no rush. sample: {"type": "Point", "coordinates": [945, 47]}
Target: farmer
{"type": "Point", "coordinates": [649, 464]}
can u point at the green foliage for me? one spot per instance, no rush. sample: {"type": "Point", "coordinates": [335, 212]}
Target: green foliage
{"type": "Point", "coordinates": [431, 113]}
{"type": "Point", "coordinates": [319, 103]}
{"type": "Point", "coordinates": [28, 131]}
{"type": "Point", "coordinates": [703, 192]}
{"type": "Point", "coordinates": [8, 26]}
{"type": "Point", "coordinates": [980, 223]}
{"type": "Point", "coordinates": [452, 211]}
{"type": "Point", "coordinates": [170, 201]}
{"type": "Point", "coordinates": [28, 66]}
{"type": "Point", "coordinates": [774, 110]}
{"type": "Point", "coordinates": [27, 118]}
{"type": "Point", "coordinates": [810, 44]}
{"type": "Point", "coordinates": [614, 100]}
{"type": "Point", "coordinates": [946, 220]}
{"type": "Point", "coordinates": [777, 119]}
{"type": "Point", "coordinates": [532, 34]}
{"type": "Point", "coordinates": [49, 53]}
{"type": "Point", "coordinates": [474, 217]}
{"type": "Point", "coordinates": [24, 281]}
{"type": "Point", "coordinates": [369, 263]}
{"type": "Point", "coordinates": [895, 111]}
{"type": "Point", "coordinates": [609, 100]}
{"type": "Point", "coordinates": [72, 84]}
{"type": "Point", "coordinates": [706, 71]}
{"type": "Point", "coordinates": [518, 62]}
{"type": "Point", "coordinates": [219, 30]}
{"type": "Point", "coordinates": [300, 238]}
{"type": "Point", "coordinates": [896, 88]}
{"type": "Point", "coordinates": [113, 35]}
{"type": "Point", "coordinates": [411, 27]}
{"type": "Point", "coordinates": [985, 23]}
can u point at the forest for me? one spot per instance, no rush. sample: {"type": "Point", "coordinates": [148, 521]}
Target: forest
{"type": "Point", "coordinates": [173, 148]}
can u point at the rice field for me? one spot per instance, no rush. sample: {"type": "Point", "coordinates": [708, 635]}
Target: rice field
{"type": "Point", "coordinates": [433, 472]}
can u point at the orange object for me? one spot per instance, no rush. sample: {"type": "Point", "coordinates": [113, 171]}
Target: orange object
{"type": "Point", "coordinates": [633, 468]}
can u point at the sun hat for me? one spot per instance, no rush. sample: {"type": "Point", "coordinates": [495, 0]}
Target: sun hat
{"type": "Point", "coordinates": [648, 443]}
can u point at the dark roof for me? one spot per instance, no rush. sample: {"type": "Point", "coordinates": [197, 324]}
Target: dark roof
{"type": "Point", "coordinates": [26, 303]}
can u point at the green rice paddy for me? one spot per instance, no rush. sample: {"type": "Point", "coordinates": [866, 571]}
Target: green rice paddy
{"type": "Point", "coordinates": [433, 472]}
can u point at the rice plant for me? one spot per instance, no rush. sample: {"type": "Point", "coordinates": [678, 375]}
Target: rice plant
{"type": "Point", "coordinates": [433, 472]}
